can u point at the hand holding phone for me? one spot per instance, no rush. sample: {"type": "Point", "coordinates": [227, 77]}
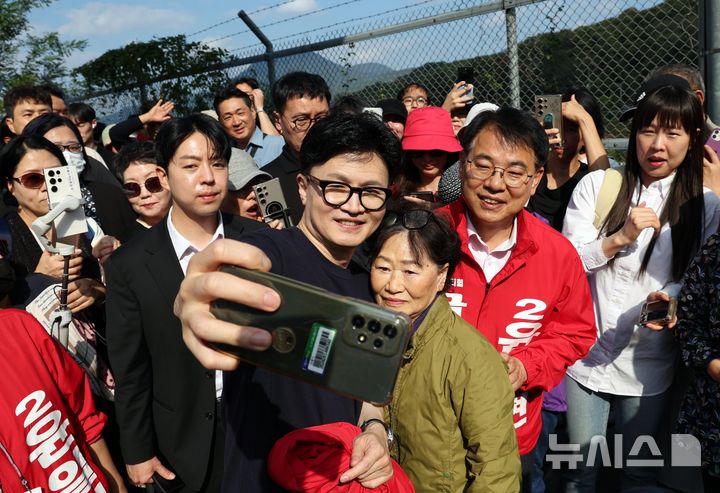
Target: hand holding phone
{"type": "Point", "coordinates": [658, 313]}
{"type": "Point", "coordinates": [467, 75]}
{"type": "Point", "coordinates": [345, 345]}
{"type": "Point", "coordinates": [547, 109]}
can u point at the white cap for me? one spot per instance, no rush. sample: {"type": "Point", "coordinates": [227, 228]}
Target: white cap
{"type": "Point", "coordinates": [477, 109]}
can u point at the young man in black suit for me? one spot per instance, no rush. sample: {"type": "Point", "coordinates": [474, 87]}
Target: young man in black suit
{"type": "Point", "coordinates": [166, 402]}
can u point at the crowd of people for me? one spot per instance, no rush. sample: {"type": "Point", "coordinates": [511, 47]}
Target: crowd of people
{"type": "Point", "coordinates": [522, 256]}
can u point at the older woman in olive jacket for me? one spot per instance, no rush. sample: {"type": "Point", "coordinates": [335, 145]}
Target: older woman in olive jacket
{"type": "Point", "coordinates": [451, 411]}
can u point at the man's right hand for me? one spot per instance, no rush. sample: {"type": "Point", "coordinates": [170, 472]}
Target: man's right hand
{"type": "Point", "coordinates": [141, 474]}
{"type": "Point", "coordinates": [203, 284]}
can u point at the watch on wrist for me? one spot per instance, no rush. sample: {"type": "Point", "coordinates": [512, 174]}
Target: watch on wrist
{"type": "Point", "coordinates": [388, 430]}
{"type": "Point", "coordinates": [260, 110]}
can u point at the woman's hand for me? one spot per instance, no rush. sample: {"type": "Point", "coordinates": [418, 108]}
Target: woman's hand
{"type": "Point", "coordinates": [458, 97]}
{"type": "Point", "coordinates": [553, 135]}
{"type": "Point", "coordinates": [276, 224]}
{"type": "Point", "coordinates": [640, 218]}
{"type": "Point", "coordinates": [83, 293]}
{"type": "Point", "coordinates": [713, 369]}
{"type": "Point", "coordinates": [105, 247]}
{"type": "Point", "coordinates": [660, 296]}
{"type": "Point", "coordinates": [52, 265]}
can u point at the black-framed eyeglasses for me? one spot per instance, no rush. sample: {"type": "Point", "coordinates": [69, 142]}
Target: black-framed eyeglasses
{"type": "Point", "coordinates": [337, 193]}
{"type": "Point", "coordinates": [303, 123]}
{"type": "Point", "coordinates": [513, 176]}
{"type": "Point", "coordinates": [411, 219]}
{"type": "Point", "coordinates": [32, 180]}
{"type": "Point", "coordinates": [74, 148]}
{"type": "Point", "coordinates": [152, 185]}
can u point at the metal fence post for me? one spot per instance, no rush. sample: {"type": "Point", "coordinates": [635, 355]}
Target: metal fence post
{"type": "Point", "coordinates": [512, 51]}
{"type": "Point", "coordinates": [711, 19]}
{"type": "Point", "coordinates": [269, 52]}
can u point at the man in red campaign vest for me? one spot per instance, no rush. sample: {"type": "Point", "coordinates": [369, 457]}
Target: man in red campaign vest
{"type": "Point", "coordinates": [519, 282]}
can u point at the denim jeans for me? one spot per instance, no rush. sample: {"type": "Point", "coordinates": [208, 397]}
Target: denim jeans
{"type": "Point", "coordinates": [587, 416]}
{"type": "Point", "coordinates": [549, 423]}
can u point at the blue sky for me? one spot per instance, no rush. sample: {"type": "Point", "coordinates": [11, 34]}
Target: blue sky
{"type": "Point", "coordinates": [107, 25]}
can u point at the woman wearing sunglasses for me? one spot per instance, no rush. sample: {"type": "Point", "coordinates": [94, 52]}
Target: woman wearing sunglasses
{"type": "Point", "coordinates": [104, 200]}
{"type": "Point", "coordinates": [144, 182]}
{"type": "Point", "coordinates": [21, 169]}
{"type": "Point", "coordinates": [430, 147]}
{"type": "Point", "coordinates": [451, 411]}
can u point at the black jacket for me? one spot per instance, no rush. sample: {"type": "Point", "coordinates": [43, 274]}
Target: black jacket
{"type": "Point", "coordinates": [164, 398]}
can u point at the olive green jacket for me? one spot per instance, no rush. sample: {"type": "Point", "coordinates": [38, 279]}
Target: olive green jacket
{"type": "Point", "coordinates": [452, 410]}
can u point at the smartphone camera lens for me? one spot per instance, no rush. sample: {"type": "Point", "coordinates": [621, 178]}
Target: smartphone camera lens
{"type": "Point", "coordinates": [374, 326]}
{"type": "Point", "coordinates": [54, 188]}
{"type": "Point", "coordinates": [390, 331]}
{"type": "Point", "coordinates": [362, 338]}
{"type": "Point", "coordinates": [358, 321]}
{"type": "Point", "coordinates": [377, 343]}
{"type": "Point", "coordinates": [52, 181]}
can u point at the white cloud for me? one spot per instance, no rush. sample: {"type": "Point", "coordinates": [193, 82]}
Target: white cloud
{"type": "Point", "coordinates": [97, 19]}
{"type": "Point", "coordinates": [298, 7]}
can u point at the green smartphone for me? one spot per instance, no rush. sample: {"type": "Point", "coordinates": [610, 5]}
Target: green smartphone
{"type": "Point", "coordinates": [339, 343]}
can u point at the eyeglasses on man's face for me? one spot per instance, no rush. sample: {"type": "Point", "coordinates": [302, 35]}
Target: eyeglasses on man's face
{"type": "Point", "coordinates": [303, 123]}
{"type": "Point", "coordinates": [514, 176]}
{"type": "Point", "coordinates": [337, 193]}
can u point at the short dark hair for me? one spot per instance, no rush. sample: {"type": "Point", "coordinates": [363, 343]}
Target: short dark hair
{"type": "Point", "coordinates": [82, 112]}
{"type": "Point", "coordinates": [515, 128]}
{"type": "Point", "coordinates": [174, 132]}
{"type": "Point", "coordinates": [230, 92]}
{"type": "Point", "coordinates": [298, 85]}
{"type": "Point", "coordinates": [252, 82]}
{"type": "Point", "coordinates": [589, 103]}
{"type": "Point", "coordinates": [17, 148]}
{"type": "Point", "coordinates": [348, 104]}
{"type": "Point", "coordinates": [401, 94]}
{"type": "Point", "coordinates": [437, 240]}
{"type": "Point", "coordinates": [133, 152]}
{"type": "Point", "coordinates": [348, 133]}
{"type": "Point", "coordinates": [18, 94]}
{"type": "Point", "coordinates": [44, 123]}
{"type": "Point", "coordinates": [53, 90]}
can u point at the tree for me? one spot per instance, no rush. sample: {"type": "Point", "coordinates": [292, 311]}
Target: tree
{"type": "Point", "coordinates": [169, 68]}
{"type": "Point", "coordinates": [29, 58]}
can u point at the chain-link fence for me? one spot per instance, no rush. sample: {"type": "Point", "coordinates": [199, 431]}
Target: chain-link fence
{"type": "Point", "coordinates": [606, 46]}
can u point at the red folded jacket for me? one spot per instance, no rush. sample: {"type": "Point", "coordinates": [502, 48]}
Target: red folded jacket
{"type": "Point", "coordinates": [313, 459]}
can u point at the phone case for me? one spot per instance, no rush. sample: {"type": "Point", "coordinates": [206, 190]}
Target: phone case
{"type": "Point", "coordinates": [272, 202]}
{"type": "Point", "coordinates": [658, 312]}
{"type": "Point", "coordinates": [548, 111]}
{"type": "Point", "coordinates": [62, 182]}
{"type": "Point", "coordinates": [342, 344]}
{"type": "Point", "coordinates": [714, 140]}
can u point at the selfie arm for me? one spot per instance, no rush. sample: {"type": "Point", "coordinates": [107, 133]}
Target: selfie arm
{"type": "Point", "coordinates": [42, 225]}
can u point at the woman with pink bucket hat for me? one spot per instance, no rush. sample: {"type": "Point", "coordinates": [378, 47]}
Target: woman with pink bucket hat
{"type": "Point", "coordinates": [430, 147]}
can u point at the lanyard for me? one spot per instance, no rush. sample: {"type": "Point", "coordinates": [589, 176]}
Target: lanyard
{"type": "Point", "coordinates": [24, 481]}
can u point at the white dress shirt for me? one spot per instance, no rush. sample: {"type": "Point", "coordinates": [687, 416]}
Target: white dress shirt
{"type": "Point", "coordinates": [493, 261]}
{"type": "Point", "coordinates": [184, 250]}
{"type": "Point", "coordinates": [627, 359]}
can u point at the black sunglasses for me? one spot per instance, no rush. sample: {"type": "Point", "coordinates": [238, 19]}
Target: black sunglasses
{"type": "Point", "coordinates": [31, 180]}
{"type": "Point", "coordinates": [152, 185]}
{"type": "Point", "coordinates": [412, 219]}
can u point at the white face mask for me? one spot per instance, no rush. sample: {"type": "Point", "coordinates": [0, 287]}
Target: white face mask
{"type": "Point", "coordinates": [77, 160]}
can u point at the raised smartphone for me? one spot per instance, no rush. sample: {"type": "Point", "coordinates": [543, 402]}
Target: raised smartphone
{"type": "Point", "coordinates": [466, 74]}
{"type": "Point", "coordinates": [342, 344]}
{"type": "Point", "coordinates": [714, 140]}
{"type": "Point", "coordinates": [270, 199]}
{"type": "Point", "coordinates": [547, 109]}
{"type": "Point", "coordinates": [658, 312]}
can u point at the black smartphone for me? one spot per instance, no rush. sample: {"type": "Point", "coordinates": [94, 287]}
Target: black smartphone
{"type": "Point", "coordinates": [342, 344]}
{"type": "Point", "coordinates": [428, 196]}
{"type": "Point", "coordinates": [466, 74]}
{"type": "Point", "coordinates": [658, 312]}
{"type": "Point", "coordinates": [162, 485]}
